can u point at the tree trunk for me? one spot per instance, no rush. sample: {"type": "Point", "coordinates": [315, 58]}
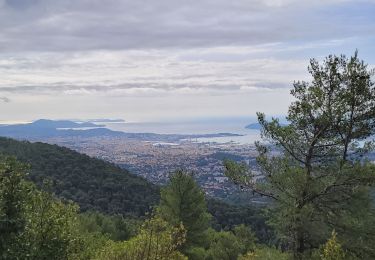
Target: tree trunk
{"type": "Point", "coordinates": [299, 247]}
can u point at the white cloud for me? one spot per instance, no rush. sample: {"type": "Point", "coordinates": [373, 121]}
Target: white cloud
{"type": "Point", "coordinates": [142, 73]}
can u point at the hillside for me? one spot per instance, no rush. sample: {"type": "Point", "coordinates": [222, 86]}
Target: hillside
{"type": "Point", "coordinates": [92, 183]}
{"type": "Point", "coordinates": [101, 186]}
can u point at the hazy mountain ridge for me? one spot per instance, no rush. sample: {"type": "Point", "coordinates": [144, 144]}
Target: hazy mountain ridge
{"type": "Point", "coordinates": [47, 123]}
{"type": "Point", "coordinates": [44, 128]}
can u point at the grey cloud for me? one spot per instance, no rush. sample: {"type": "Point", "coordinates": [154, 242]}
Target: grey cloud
{"type": "Point", "coordinates": [20, 4]}
{"type": "Point", "coordinates": [4, 99]}
{"type": "Point", "coordinates": [140, 89]}
{"type": "Point", "coordinates": [139, 71]}
{"type": "Point", "coordinates": [127, 24]}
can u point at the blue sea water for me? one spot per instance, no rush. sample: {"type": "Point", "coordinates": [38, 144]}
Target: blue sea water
{"type": "Point", "coordinates": [234, 126]}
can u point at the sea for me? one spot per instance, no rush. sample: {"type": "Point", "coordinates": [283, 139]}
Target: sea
{"type": "Point", "coordinates": [198, 127]}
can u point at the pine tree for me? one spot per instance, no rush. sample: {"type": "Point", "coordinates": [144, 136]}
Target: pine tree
{"type": "Point", "coordinates": [319, 176]}
{"type": "Point", "coordinates": [182, 201]}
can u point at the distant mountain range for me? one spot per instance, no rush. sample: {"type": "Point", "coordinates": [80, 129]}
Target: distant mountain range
{"type": "Point", "coordinates": [45, 123]}
{"type": "Point", "coordinates": [43, 128]}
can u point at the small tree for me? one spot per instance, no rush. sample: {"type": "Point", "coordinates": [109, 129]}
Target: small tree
{"type": "Point", "coordinates": [246, 236]}
{"type": "Point", "coordinates": [182, 201]}
{"type": "Point", "coordinates": [157, 240]}
{"type": "Point", "coordinates": [34, 224]}
{"type": "Point", "coordinates": [225, 246]}
{"type": "Point", "coordinates": [52, 231]}
{"type": "Point", "coordinates": [332, 250]}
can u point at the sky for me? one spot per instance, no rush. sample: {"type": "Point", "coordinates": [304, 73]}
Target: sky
{"type": "Point", "coordinates": [148, 60]}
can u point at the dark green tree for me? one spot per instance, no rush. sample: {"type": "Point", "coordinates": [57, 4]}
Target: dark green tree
{"type": "Point", "coordinates": [228, 245]}
{"type": "Point", "coordinates": [34, 224]}
{"type": "Point", "coordinates": [52, 231]}
{"type": "Point", "coordinates": [225, 246]}
{"type": "Point", "coordinates": [318, 178]}
{"type": "Point", "coordinates": [115, 227]}
{"type": "Point", "coordinates": [182, 201]}
{"type": "Point", "coordinates": [246, 236]}
{"type": "Point", "coordinates": [157, 239]}
{"type": "Point", "coordinates": [14, 194]}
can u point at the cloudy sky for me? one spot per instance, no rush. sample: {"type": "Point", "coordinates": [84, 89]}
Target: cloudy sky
{"type": "Point", "coordinates": [149, 60]}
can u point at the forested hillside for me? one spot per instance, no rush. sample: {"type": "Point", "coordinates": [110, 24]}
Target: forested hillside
{"type": "Point", "coordinates": [92, 183]}
{"type": "Point", "coordinates": [101, 186]}
{"type": "Point", "coordinates": [36, 225]}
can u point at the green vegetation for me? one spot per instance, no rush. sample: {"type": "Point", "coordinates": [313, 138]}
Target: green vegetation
{"type": "Point", "coordinates": [182, 201]}
{"type": "Point", "coordinates": [99, 186]}
{"type": "Point", "coordinates": [227, 217]}
{"type": "Point", "coordinates": [115, 227]}
{"type": "Point", "coordinates": [34, 225]}
{"type": "Point", "coordinates": [37, 225]}
{"type": "Point", "coordinates": [156, 240]}
{"type": "Point", "coordinates": [265, 253]}
{"type": "Point", "coordinates": [332, 250]}
{"type": "Point", "coordinates": [93, 184]}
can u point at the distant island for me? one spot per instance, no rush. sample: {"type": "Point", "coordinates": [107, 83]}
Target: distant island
{"type": "Point", "coordinates": [46, 123]}
{"type": "Point", "coordinates": [44, 128]}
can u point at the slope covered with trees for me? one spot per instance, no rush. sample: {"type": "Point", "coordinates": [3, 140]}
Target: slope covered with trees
{"type": "Point", "coordinates": [92, 183]}
{"type": "Point", "coordinates": [34, 224]}
{"type": "Point", "coordinates": [96, 185]}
